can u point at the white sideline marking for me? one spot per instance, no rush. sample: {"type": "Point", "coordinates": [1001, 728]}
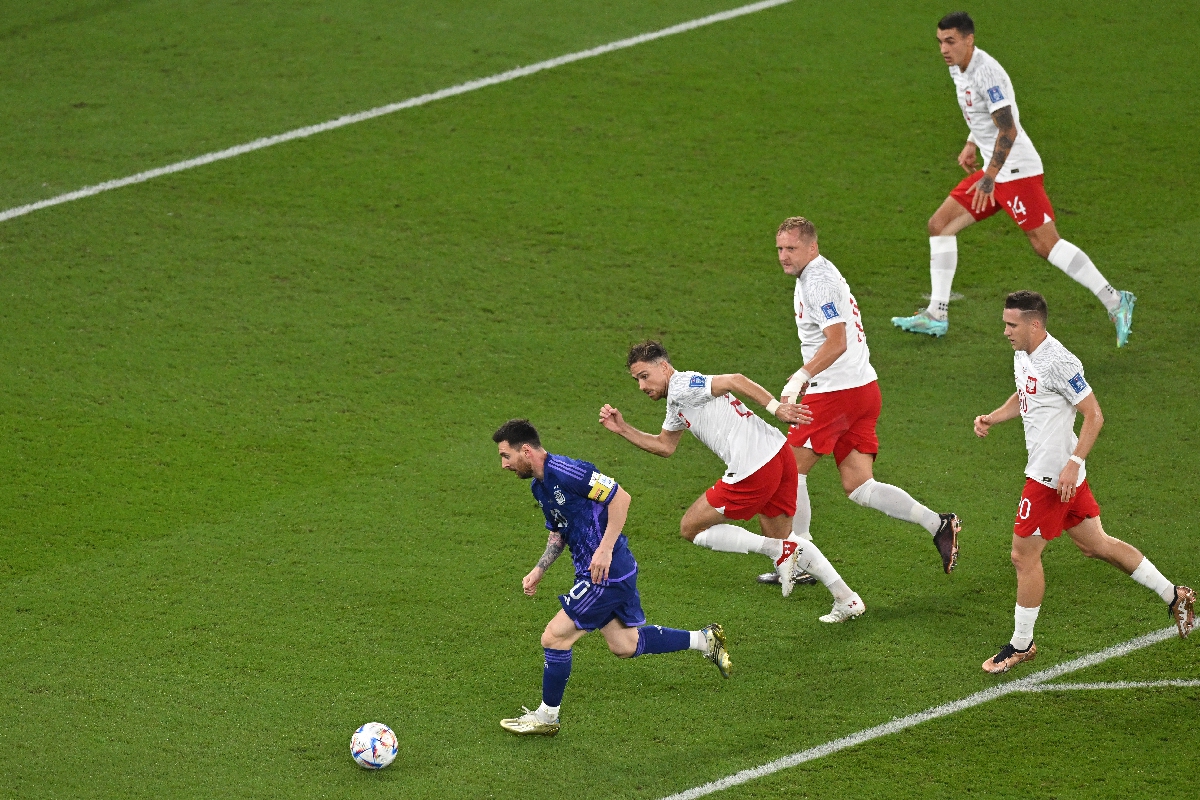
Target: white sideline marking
{"type": "Point", "coordinates": [1054, 687]}
{"type": "Point", "coordinates": [970, 701]}
{"type": "Point", "coordinates": [412, 102]}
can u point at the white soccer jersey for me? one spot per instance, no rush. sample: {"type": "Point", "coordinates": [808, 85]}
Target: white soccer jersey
{"type": "Point", "coordinates": [982, 90]}
{"type": "Point", "coordinates": [1050, 384]}
{"type": "Point", "coordinates": [822, 299]}
{"type": "Point", "coordinates": [732, 431]}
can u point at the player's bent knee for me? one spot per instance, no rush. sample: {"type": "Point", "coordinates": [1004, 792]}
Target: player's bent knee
{"type": "Point", "coordinates": [623, 649]}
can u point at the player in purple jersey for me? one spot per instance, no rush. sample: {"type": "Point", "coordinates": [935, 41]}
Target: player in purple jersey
{"type": "Point", "coordinates": [585, 512]}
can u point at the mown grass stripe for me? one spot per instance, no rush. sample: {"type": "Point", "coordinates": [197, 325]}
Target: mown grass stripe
{"type": "Point", "coordinates": [391, 108]}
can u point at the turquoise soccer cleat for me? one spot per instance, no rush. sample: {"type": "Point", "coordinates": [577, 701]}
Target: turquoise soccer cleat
{"type": "Point", "coordinates": [1123, 318]}
{"type": "Point", "coordinates": [921, 322]}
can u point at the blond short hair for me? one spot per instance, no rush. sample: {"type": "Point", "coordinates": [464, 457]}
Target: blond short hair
{"type": "Point", "coordinates": [805, 229]}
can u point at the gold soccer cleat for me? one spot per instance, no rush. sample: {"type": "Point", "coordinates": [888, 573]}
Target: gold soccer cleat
{"type": "Point", "coordinates": [529, 724]}
{"type": "Point", "coordinates": [1183, 610]}
{"type": "Point", "coordinates": [1009, 657]}
{"type": "Point", "coordinates": [715, 636]}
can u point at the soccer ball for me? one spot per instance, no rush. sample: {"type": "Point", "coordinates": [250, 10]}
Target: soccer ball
{"type": "Point", "coordinates": [373, 746]}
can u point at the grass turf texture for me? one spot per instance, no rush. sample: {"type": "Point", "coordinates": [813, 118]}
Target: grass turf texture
{"type": "Point", "coordinates": [250, 497]}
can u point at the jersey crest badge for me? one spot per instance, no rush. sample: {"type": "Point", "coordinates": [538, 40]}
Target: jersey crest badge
{"type": "Point", "coordinates": [697, 382]}
{"type": "Point", "coordinates": [559, 497]}
{"type": "Point", "coordinates": [995, 95]}
{"type": "Point", "coordinates": [1078, 383]}
{"type": "Point", "coordinates": [968, 98]}
{"type": "Point", "coordinates": [1030, 384]}
{"type": "Point", "coordinates": [829, 310]}
{"type": "Point", "coordinates": [602, 487]}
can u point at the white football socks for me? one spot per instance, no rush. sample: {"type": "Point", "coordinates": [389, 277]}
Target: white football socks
{"type": "Point", "coordinates": [547, 713]}
{"type": "Point", "coordinates": [725, 538]}
{"type": "Point", "coordinates": [810, 559]}
{"type": "Point", "coordinates": [943, 260]}
{"type": "Point", "coordinates": [802, 519]}
{"type": "Point", "coordinates": [1148, 575]}
{"type": "Point", "coordinates": [1023, 630]}
{"type": "Point", "coordinates": [1073, 261]}
{"type": "Point", "coordinates": [699, 642]}
{"type": "Point", "coordinates": [897, 503]}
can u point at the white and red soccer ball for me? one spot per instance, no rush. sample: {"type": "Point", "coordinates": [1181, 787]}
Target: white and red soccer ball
{"type": "Point", "coordinates": [373, 746]}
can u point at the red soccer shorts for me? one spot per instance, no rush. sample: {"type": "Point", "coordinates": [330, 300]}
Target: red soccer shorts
{"type": "Point", "coordinates": [1041, 511]}
{"type": "Point", "coordinates": [770, 490]}
{"type": "Point", "coordinates": [842, 421]}
{"type": "Point", "coordinates": [1025, 200]}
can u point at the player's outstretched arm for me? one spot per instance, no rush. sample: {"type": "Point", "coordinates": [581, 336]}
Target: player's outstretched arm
{"type": "Point", "coordinates": [744, 387]}
{"type": "Point", "coordinates": [1010, 410]}
{"type": "Point", "coordinates": [663, 444]}
{"type": "Point", "coordinates": [618, 512]}
{"type": "Point", "coordinates": [555, 544]}
{"type": "Point", "coordinates": [1093, 421]}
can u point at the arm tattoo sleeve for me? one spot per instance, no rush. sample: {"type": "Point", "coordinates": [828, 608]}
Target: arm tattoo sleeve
{"type": "Point", "coordinates": [554, 547]}
{"type": "Point", "coordinates": [1008, 136]}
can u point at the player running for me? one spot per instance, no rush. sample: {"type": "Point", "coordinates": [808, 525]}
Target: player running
{"type": "Point", "coordinates": [760, 479]}
{"type": "Point", "coordinates": [1050, 390]}
{"type": "Point", "coordinates": [585, 512]}
{"type": "Point", "coordinates": [839, 386]}
{"type": "Point", "coordinates": [1012, 179]}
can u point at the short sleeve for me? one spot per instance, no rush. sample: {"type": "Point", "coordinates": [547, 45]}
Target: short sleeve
{"type": "Point", "coordinates": [690, 389]}
{"type": "Point", "coordinates": [831, 304]}
{"type": "Point", "coordinates": [1066, 378]}
{"type": "Point", "coordinates": [686, 390]}
{"type": "Point", "coordinates": [994, 86]}
{"type": "Point", "coordinates": [583, 479]}
{"type": "Point", "coordinates": [672, 422]}
{"type": "Point", "coordinates": [601, 488]}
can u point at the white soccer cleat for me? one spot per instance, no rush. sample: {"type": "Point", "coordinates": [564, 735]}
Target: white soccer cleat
{"type": "Point", "coordinates": [786, 567]}
{"type": "Point", "coordinates": [841, 612]}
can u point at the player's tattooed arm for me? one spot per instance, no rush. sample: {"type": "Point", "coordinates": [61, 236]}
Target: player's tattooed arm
{"type": "Point", "coordinates": [1004, 145]}
{"type": "Point", "coordinates": [555, 544]}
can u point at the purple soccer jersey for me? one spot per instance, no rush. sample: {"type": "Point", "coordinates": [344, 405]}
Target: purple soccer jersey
{"type": "Point", "coordinates": [574, 497]}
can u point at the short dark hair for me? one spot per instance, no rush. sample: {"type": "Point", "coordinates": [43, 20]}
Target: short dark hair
{"type": "Point", "coordinates": [959, 20]}
{"type": "Point", "coordinates": [517, 432]}
{"type": "Point", "coordinates": [1029, 303]}
{"type": "Point", "coordinates": [648, 351]}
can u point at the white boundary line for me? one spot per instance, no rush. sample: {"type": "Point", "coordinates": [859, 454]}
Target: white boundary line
{"type": "Point", "coordinates": [1030, 683]}
{"type": "Point", "coordinates": [1055, 687]}
{"type": "Point", "coordinates": [391, 108]}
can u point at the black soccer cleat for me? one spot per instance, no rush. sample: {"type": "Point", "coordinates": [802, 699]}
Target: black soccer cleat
{"type": "Point", "coordinates": [773, 577]}
{"type": "Point", "coordinates": [946, 541]}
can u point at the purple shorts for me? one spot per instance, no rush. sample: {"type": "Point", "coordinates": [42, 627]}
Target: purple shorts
{"type": "Point", "coordinates": [591, 606]}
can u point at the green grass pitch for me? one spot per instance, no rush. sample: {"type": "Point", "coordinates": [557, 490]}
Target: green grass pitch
{"type": "Point", "coordinates": [248, 497]}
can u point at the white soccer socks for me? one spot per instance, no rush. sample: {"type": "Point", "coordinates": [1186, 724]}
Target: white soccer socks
{"type": "Point", "coordinates": [802, 519]}
{"type": "Point", "coordinates": [698, 642]}
{"type": "Point", "coordinates": [943, 260]}
{"type": "Point", "coordinates": [1073, 261]}
{"type": "Point", "coordinates": [547, 713]}
{"type": "Point", "coordinates": [1148, 575]}
{"type": "Point", "coordinates": [810, 559]}
{"type": "Point", "coordinates": [725, 538]}
{"type": "Point", "coordinates": [1023, 630]}
{"type": "Point", "coordinates": [896, 503]}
